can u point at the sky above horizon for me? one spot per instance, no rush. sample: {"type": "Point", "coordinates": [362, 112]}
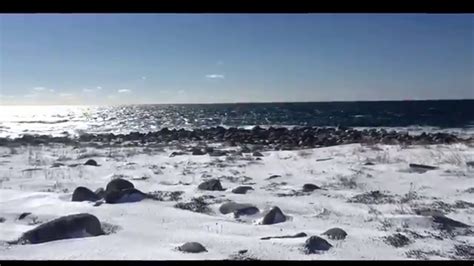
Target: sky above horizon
{"type": "Point", "coordinates": [184, 58]}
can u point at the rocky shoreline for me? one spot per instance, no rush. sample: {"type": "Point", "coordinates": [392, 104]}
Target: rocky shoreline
{"type": "Point", "coordinates": [268, 139]}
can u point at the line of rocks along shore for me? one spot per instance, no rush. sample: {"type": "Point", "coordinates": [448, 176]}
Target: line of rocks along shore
{"type": "Point", "coordinates": [270, 139]}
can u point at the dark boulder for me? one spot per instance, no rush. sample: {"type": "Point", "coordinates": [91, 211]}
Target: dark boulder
{"type": "Point", "coordinates": [91, 162]}
{"type": "Point", "coordinates": [257, 154]}
{"type": "Point", "coordinates": [71, 226]}
{"type": "Point", "coordinates": [192, 247]}
{"type": "Point", "coordinates": [314, 244]}
{"type": "Point", "coordinates": [241, 189]}
{"type": "Point", "coordinates": [213, 184]}
{"type": "Point", "coordinates": [309, 187]}
{"type": "Point", "coordinates": [230, 207]}
{"type": "Point", "coordinates": [335, 233]}
{"type": "Point", "coordinates": [275, 215]}
{"type": "Point", "coordinates": [197, 151]}
{"type": "Point", "coordinates": [84, 194]}
{"type": "Point", "coordinates": [124, 196]}
{"type": "Point", "coordinates": [448, 223]}
{"type": "Point", "coordinates": [118, 184]}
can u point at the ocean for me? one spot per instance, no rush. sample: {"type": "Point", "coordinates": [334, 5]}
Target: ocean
{"type": "Point", "coordinates": [454, 116]}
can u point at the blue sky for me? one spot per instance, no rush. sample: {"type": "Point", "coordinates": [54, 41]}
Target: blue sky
{"type": "Point", "coordinates": [171, 58]}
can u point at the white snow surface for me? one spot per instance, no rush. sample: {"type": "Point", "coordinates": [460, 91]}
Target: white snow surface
{"type": "Point", "coordinates": [151, 230]}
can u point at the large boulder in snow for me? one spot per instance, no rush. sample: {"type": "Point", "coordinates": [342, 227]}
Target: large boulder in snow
{"type": "Point", "coordinates": [118, 184]}
{"type": "Point", "coordinates": [192, 247]}
{"type": "Point", "coordinates": [241, 189]}
{"type": "Point", "coordinates": [71, 226]}
{"type": "Point", "coordinates": [309, 187]}
{"type": "Point", "coordinates": [124, 196]}
{"type": "Point", "coordinates": [84, 194]}
{"type": "Point", "coordinates": [213, 184]}
{"type": "Point", "coordinates": [91, 162]}
{"type": "Point", "coordinates": [275, 215]}
{"type": "Point", "coordinates": [238, 209]}
{"type": "Point", "coordinates": [335, 233]}
{"type": "Point", "coordinates": [315, 244]}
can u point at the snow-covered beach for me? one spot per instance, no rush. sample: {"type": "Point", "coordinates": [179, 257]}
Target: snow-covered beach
{"type": "Point", "coordinates": [387, 208]}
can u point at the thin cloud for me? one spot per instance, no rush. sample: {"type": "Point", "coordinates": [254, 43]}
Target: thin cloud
{"type": "Point", "coordinates": [87, 90]}
{"type": "Point", "coordinates": [215, 76]}
{"type": "Point", "coordinates": [181, 92]}
{"type": "Point", "coordinates": [51, 90]}
{"type": "Point", "coordinates": [99, 88]}
{"type": "Point", "coordinates": [124, 91]}
{"type": "Point", "coordinates": [220, 63]}
{"type": "Point", "coordinates": [39, 88]}
{"type": "Point", "coordinates": [144, 78]}
{"type": "Point", "coordinates": [65, 94]}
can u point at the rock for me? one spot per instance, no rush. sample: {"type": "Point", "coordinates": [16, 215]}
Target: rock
{"type": "Point", "coordinates": [124, 196]}
{"type": "Point", "coordinates": [257, 154]}
{"type": "Point", "coordinates": [57, 165]}
{"type": "Point", "coordinates": [197, 151]}
{"type": "Point", "coordinates": [275, 215]}
{"type": "Point", "coordinates": [397, 240]}
{"type": "Point", "coordinates": [23, 215]}
{"type": "Point", "coordinates": [428, 212]}
{"type": "Point", "coordinates": [71, 226]}
{"type": "Point", "coordinates": [192, 247]}
{"type": "Point", "coordinates": [230, 207]}
{"type": "Point", "coordinates": [2, 220]}
{"type": "Point", "coordinates": [118, 184]}
{"type": "Point", "coordinates": [273, 176]}
{"type": "Point", "coordinates": [241, 189]}
{"type": "Point", "coordinates": [335, 233]}
{"type": "Point", "coordinates": [302, 234]}
{"type": "Point", "coordinates": [217, 153]}
{"type": "Point", "coordinates": [314, 244]}
{"type": "Point", "coordinates": [212, 184]}
{"type": "Point", "coordinates": [91, 162]}
{"type": "Point", "coordinates": [84, 194]}
{"type": "Point", "coordinates": [470, 164]}
{"type": "Point", "coordinates": [309, 187]}
{"type": "Point", "coordinates": [448, 223]}
{"type": "Point", "coordinates": [369, 163]}
{"type": "Point", "coordinates": [258, 159]}
{"type": "Point", "coordinates": [243, 251]}
{"type": "Point", "coordinates": [100, 192]}
{"type": "Point", "coordinates": [422, 167]}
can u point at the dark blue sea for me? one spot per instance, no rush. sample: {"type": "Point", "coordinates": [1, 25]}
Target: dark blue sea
{"type": "Point", "coordinates": [444, 115]}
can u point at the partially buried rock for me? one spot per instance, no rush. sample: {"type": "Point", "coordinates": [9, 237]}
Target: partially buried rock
{"type": "Point", "coordinates": [335, 233]}
{"type": "Point", "coordinates": [124, 196]}
{"type": "Point", "coordinates": [192, 247]}
{"type": "Point", "coordinates": [84, 194]}
{"type": "Point", "coordinates": [470, 164]}
{"type": "Point", "coordinates": [212, 184]}
{"type": "Point", "coordinates": [309, 187]}
{"type": "Point", "coordinates": [91, 162]}
{"type": "Point", "coordinates": [118, 184]}
{"type": "Point", "coordinates": [230, 207]}
{"type": "Point", "coordinates": [241, 189]}
{"type": "Point", "coordinates": [448, 223]}
{"type": "Point", "coordinates": [257, 154]}
{"type": "Point", "coordinates": [23, 215]}
{"type": "Point", "coordinates": [275, 215]}
{"type": "Point", "coordinates": [71, 226]}
{"type": "Point", "coordinates": [314, 244]}
{"type": "Point", "coordinates": [197, 151]}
